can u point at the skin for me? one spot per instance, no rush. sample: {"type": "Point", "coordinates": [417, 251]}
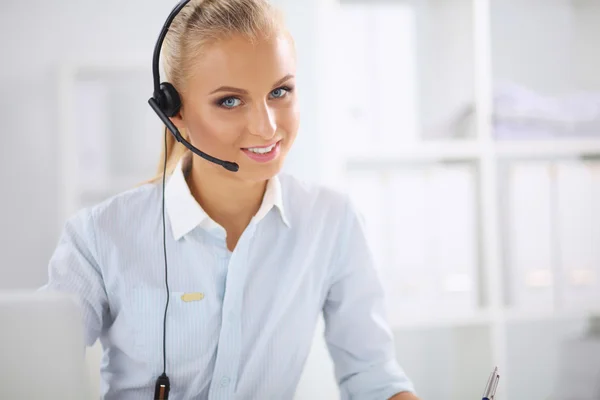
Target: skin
{"type": "Point", "coordinates": [225, 122]}
{"type": "Point", "coordinates": [404, 396]}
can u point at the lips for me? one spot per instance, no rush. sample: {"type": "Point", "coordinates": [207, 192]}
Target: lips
{"type": "Point", "coordinates": [263, 154]}
{"type": "Point", "coordinates": [262, 148]}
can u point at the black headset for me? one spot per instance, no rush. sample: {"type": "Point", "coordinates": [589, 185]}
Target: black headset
{"type": "Point", "coordinates": [166, 102]}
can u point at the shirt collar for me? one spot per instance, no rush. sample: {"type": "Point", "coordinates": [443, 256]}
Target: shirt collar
{"type": "Point", "coordinates": [185, 213]}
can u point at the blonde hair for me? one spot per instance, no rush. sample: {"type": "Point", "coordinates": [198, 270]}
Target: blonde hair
{"type": "Point", "coordinates": [202, 22]}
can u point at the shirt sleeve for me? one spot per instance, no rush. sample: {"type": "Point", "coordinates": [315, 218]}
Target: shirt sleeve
{"type": "Point", "coordinates": [73, 268]}
{"type": "Point", "coordinates": [358, 337]}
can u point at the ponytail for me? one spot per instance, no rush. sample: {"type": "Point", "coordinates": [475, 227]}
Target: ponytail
{"type": "Point", "coordinates": [173, 153]}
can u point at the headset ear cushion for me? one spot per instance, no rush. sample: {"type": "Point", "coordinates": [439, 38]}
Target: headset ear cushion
{"type": "Point", "coordinates": [170, 101]}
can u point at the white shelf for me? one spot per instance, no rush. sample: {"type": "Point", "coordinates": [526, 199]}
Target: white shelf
{"type": "Point", "coordinates": [455, 150]}
{"type": "Point", "coordinates": [485, 318]}
{"type": "Point", "coordinates": [440, 321]}
{"type": "Point", "coordinates": [466, 51]}
{"type": "Point", "coordinates": [531, 316]}
{"type": "Point", "coordinates": [427, 151]}
{"type": "Point", "coordinates": [548, 148]}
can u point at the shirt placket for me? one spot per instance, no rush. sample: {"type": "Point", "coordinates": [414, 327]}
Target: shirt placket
{"type": "Point", "coordinates": [230, 340]}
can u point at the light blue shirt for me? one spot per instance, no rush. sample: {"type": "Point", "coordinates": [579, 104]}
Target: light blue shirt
{"type": "Point", "coordinates": [248, 325]}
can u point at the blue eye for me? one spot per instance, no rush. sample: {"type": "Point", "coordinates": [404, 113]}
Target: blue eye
{"type": "Point", "coordinates": [279, 92]}
{"type": "Point", "coordinates": [230, 102]}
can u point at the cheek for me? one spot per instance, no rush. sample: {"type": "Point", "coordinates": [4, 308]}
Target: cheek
{"type": "Point", "coordinates": [213, 130]}
{"type": "Point", "coordinates": [290, 122]}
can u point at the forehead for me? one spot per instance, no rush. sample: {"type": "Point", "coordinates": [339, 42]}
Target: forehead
{"type": "Point", "coordinates": [240, 63]}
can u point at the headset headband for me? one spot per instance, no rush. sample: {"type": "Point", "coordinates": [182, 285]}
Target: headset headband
{"type": "Point", "coordinates": [158, 47]}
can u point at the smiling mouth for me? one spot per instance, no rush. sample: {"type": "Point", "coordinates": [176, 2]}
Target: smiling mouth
{"type": "Point", "coordinates": [262, 150]}
{"type": "Point", "coordinates": [263, 154]}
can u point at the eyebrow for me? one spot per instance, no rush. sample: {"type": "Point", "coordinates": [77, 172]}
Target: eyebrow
{"type": "Point", "coordinates": [242, 91]}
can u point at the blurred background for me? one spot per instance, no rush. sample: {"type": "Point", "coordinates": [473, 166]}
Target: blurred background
{"type": "Point", "coordinates": [468, 131]}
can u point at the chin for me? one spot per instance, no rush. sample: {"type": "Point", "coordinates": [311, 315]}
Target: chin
{"type": "Point", "coordinates": [260, 173]}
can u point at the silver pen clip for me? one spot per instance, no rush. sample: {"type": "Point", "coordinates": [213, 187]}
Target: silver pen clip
{"type": "Point", "coordinates": [490, 389]}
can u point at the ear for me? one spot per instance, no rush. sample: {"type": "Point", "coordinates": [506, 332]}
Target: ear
{"type": "Point", "coordinates": [178, 121]}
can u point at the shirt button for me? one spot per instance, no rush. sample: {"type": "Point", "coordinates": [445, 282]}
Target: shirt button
{"type": "Point", "coordinates": [225, 381]}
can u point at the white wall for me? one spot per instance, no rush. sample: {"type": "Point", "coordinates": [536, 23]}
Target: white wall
{"type": "Point", "coordinates": [547, 45]}
{"type": "Point", "coordinates": [587, 34]}
{"type": "Point", "coordinates": [37, 37]}
{"type": "Point", "coordinates": [445, 54]}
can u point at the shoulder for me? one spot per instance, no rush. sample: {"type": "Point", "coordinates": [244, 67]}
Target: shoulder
{"type": "Point", "coordinates": [129, 208]}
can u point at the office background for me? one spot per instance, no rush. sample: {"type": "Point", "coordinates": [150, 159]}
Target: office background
{"type": "Point", "coordinates": [467, 130]}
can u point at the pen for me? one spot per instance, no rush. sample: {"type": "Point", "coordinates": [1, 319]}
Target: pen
{"type": "Point", "coordinates": [490, 388]}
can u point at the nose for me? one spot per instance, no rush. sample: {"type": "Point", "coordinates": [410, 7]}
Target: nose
{"type": "Point", "coordinates": [262, 122]}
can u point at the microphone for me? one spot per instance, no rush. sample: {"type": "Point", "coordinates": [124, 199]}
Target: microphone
{"type": "Point", "coordinates": [228, 165]}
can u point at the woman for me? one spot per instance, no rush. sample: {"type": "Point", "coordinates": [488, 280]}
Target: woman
{"type": "Point", "coordinates": [254, 256]}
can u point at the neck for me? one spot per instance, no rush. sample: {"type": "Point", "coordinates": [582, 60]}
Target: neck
{"type": "Point", "coordinates": [229, 201]}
